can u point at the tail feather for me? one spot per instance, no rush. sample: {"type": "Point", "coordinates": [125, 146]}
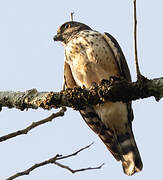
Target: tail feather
{"type": "Point", "coordinates": [130, 157]}
{"type": "Point", "coordinates": [122, 146]}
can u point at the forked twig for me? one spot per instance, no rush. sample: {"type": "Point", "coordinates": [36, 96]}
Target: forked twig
{"type": "Point", "coordinates": [135, 43]}
{"type": "Point", "coordinates": [77, 170]}
{"type": "Point", "coordinates": [54, 160]}
{"type": "Point", "coordinates": [75, 153]}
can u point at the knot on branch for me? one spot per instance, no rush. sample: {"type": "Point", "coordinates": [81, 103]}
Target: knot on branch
{"type": "Point", "coordinates": [116, 89]}
{"type": "Point", "coordinates": [146, 88]}
{"type": "Point", "coordinates": [119, 89]}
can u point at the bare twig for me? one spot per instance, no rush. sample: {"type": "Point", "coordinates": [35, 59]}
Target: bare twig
{"type": "Point", "coordinates": [135, 43]}
{"type": "Point", "coordinates": [71, 16]}
{"type": "Point", "coordinates": [27, 172]}
{"type": "Point", "coordinates": [33, 125]}
{"type": "Point", "coordinates": [75, 153]}
{"type": "Point", "coordinates": [54, 160]}
{"type": "Point", "coordinates": [77, 170]}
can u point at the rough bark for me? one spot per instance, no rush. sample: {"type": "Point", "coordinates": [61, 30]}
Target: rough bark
{"type": "Point", "coordinates": [77, 98]}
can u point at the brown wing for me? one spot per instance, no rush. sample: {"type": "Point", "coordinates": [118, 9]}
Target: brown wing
{"type": "Point", "coordinates": [69, 80]}
{"type": "Point", "coordinates": [122, 65]}
{"type": "Point", "coordinates": [120, 58]}
{"type": "Point", "coordinates": [130, 164]}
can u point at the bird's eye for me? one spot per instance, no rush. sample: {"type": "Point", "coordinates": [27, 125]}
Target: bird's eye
{"type": "Point", "coordinates": [67, 26]}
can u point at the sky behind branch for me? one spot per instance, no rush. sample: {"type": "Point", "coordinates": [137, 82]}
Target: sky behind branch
{"type": "Point", "coordinates": [30, 59]}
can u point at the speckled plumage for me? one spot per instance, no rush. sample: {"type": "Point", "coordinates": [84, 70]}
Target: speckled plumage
{"type": "Point", "coordinates": [90, 57]}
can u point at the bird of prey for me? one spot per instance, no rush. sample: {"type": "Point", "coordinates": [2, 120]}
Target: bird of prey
{"type": "Point", "coordinates": [91, 56]}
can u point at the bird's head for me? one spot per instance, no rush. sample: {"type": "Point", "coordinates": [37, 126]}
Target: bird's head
{"type": "Point", "coordinates": [68, 30]}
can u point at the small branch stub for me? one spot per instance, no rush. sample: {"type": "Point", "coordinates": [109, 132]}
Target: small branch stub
{"type": "Point", "coordinates": [71, 16]}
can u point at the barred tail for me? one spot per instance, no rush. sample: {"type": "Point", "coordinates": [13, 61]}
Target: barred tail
{"type": "Point", "coordinates": [130, 157]}
{"type": "Point", "coordinates": [122, 146]}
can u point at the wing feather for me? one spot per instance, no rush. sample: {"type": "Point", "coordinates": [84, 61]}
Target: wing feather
{"type": "Point", "coordinates": [68, 77]}
{"type": "Point", "coordinates": [119, 56]}
{"type": "Point", "coordinates": [122, 65]}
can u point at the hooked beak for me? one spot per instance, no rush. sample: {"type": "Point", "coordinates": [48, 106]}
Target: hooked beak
{"type": "Point", "coordinates": [58, 37]}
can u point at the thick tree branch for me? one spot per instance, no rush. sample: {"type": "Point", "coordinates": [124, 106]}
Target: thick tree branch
{"type": "Point", "coordinates": [113, 90]}
{"type": "Point", "coordinates": [33, 125]}
{"type": "Point", "coordinates": [54, 160]}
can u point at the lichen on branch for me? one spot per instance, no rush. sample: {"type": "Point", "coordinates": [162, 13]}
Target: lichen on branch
{"type": "Point", "coordinates": [78, 98]}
